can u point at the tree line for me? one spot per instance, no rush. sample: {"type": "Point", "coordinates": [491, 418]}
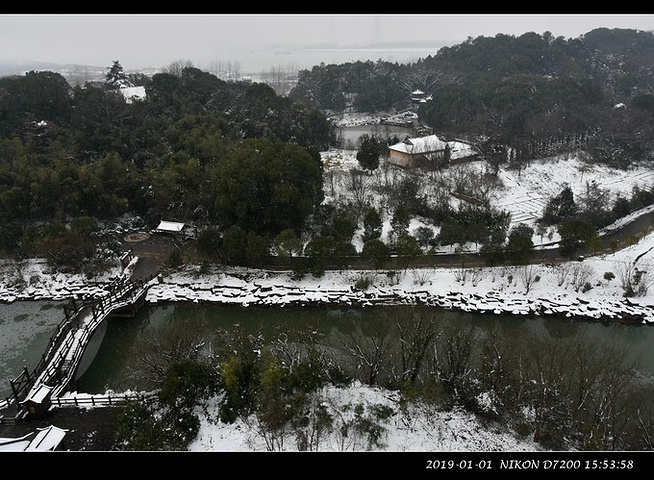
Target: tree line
{"type": "Point", "coordinates": [242, 163]}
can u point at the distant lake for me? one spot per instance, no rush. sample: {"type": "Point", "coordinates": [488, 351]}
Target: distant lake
{"type": "Point", "coordinates": [352, 134]}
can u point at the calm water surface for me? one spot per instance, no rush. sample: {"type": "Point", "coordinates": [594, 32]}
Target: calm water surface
{"type": "Point", "coordinates": [26, 328]}
{"type": "Point", "coordinates": [108, 366]}
{"type": "Point", "coordinates": [25, 331]}
{"type": "Point", "coordinates": [352, 134]}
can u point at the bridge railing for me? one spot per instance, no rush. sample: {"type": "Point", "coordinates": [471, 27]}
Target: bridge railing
{"type": "Point", "coordinates": [125, 295]}
{"type": "Point", "coordinates": [50, 365]}
{"type": "Point", "coordinates": [104, 400]}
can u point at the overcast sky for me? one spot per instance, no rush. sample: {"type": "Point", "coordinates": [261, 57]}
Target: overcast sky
{"type": "Point", "coordinates": [258, 42]}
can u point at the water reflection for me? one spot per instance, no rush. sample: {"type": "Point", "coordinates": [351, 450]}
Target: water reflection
{"type": "Point", "coordinates": [108, 369]}
{"type": "Point", "coordinates": [351, 135]}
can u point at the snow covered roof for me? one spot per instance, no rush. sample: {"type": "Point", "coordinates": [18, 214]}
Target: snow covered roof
{"type": "Point", "coordinates": [38, 395]}
{"type": "Point", "coordinates": [430, 143]}
{"type": "Point", "coordinates": [48, 439]}
{"type": "Point", "coordinates": [130, 93]}
{"type": "Point", "coordinates": [14, 444]}
{"type": "Point", "coordinates": [170, 227]}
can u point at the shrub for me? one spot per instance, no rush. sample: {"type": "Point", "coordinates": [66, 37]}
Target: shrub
{"type": "Point", "coordinates": [363, 283]}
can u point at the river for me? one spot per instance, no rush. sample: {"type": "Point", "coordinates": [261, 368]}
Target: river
{"type": "Point", "coordinates": [25, 331]}
{"type": "Point", "coordinates": [26, 328]}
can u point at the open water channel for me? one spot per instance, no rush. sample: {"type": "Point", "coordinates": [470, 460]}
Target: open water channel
{"type": "Point", "coordinates": [26, 327]}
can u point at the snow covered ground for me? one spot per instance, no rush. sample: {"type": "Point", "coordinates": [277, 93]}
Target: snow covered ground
{"type": "Point", "coordinates": [420, 429]}
{"type": "Point", "coordinates": [539, 290]}
{"type": "Point", "coordinates": [524, 194]}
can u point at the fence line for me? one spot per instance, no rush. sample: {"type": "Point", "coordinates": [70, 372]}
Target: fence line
{"type": "Point", "coordinates": [104, 400]}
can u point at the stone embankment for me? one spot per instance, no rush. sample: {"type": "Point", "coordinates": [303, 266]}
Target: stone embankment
{"type": "Point", "coordinates": [223, 291]}
{"type": "Point", "coordinates": [492, 302]}
{"type": "Point", "coordinates": [60, 292]}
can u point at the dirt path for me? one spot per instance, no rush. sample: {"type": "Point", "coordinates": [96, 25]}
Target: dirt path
{"type": "Point", "coordinates": [153, 252]}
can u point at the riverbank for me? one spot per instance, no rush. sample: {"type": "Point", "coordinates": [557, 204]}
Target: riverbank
{"type": "Point", "coordinates": [498, 290]}
{"type": "Point", "coordinates": [521, 291]}
{"type": "Point", "coordinates": [593, 289]}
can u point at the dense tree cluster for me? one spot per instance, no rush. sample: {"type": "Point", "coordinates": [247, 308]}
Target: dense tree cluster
{"type": "Point", "coordinates": [244, 163]}
{"type": "Point", "coordinates": [539, 94]}
{"type": "Point", "coordinates": [195, 149]}
{"type": "Point", "coordinates": [579, 219]}
{"type": "Point", "coordinates": [368, 86]}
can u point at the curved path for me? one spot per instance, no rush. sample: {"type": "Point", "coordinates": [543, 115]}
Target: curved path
{"type": "Point", "coordinates": [153, 251]}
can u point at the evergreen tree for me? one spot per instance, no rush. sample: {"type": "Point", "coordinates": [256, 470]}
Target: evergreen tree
{"type": "Point", "coordinates": [560, 208]}
{"type": "Point", "coordinates": [369, 152]}
{"type": "Point", "coordinates": [575, 234]}
{"type": "Point", "coordinates": [520, 247]}
{"type": "Point", "coordinates": [116, 78]}
{"type": "Point", "coordinates": [372, 225]}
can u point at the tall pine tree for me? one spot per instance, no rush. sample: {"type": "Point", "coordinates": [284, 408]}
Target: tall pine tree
{"type": "Point", "coordinates": [116, 78]}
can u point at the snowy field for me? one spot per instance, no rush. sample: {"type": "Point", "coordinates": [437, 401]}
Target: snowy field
{"type": "Point", "coordinates": [526, 194]}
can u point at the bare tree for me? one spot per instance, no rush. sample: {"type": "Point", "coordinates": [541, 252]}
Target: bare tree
{"type": "Point", "coordinates": [421, 276]}
{"type": "Point", "coordinates": [634, 281]}
{"type": "Point", "coordinates": [421, 77]}
{"type": "Point", "coordinates": [177, 67]}
{"type": "Point", "coordinates": [646, 427]}
{"type": "Point", "coordinates": [232, 70]}
{"type": "Point", "coordinates": [476, 276]}
{"type": "Point", "coordinates": [227, 70]}
{"type": "Point", "coordinates": [416, 337]}
{"type": "Point", "coordinates": [546, 376]}
{"type": "Point", "coordinates": [357, 186]}
{"type": "Point", "coordinates": [453, 356]}
{"type": "Point", "coordinates": [313, 424]}
{"type": "Point", "coordinates": [368, 352]}
{"type": "Point", "coordinates": [281, 78]}
{"type": "Point", "coordinates": [604, 396]}
{"type": "Point", "coordinates": [528, 275]}
{"type": "Point", "coordinates": [562, 272]}
{"type": "Point", "coordinates": [500, 375]}
{"type": "Point", "coordinates": [152, 355]}
{"type": "Point", "coordinates": [581, 275]}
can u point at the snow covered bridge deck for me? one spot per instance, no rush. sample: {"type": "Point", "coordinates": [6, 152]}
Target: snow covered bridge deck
{"type": "Point", "coordinates": [34, 392]}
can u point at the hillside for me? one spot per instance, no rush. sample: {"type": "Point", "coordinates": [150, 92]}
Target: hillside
{"type": "Point", "coordinates": [422, 428]}
{"type": "Point", "coordinates": [537, 94]}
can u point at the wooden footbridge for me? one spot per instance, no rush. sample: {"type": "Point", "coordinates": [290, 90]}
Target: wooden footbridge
{"type": "Point", "coordinates": [34, 392]}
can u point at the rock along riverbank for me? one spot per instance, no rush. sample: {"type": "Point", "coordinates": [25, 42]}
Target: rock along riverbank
{"type": "Point", "coordinates": [496, 293]}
